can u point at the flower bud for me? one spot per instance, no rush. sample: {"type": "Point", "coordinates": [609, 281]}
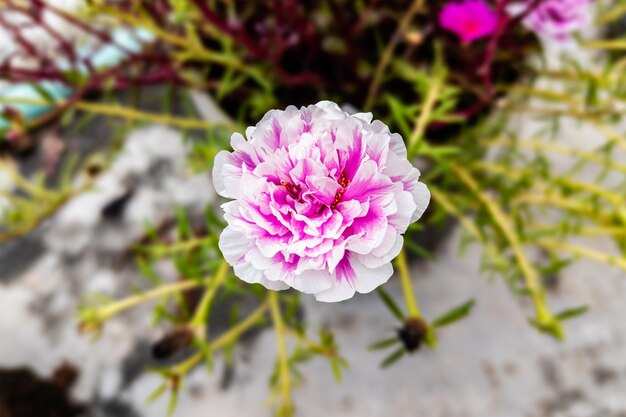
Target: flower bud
{"type": "Point", "coordinates": [173, 341]}
{"type": "Point", "coordinates": [413, 333]}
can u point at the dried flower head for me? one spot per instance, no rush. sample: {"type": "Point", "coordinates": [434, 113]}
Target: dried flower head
{"type": "Point", "coordinates": [321, 200]}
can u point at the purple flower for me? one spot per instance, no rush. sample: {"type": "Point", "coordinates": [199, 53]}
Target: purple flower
{"type": "Point", "coordinates": [320, 201]}
{"type": "Point", "coordinates": [556, 18]}
{"type": "Point", "coordinates": [469, 19]}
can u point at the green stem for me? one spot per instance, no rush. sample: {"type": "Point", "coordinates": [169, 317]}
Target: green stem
{"type": "Point", "coordinates": [279, 326]}
{"type": "Point", "coordinates": [407, 286]}
{"type": "Point", "coordinates": [226, 338]}
{"type": "Point", "coordinates": [425, 114]}
{"type": "Point", "coordinates": [449, 207]}
{"type": "Point", "coordinates": [515, 173]}
{"type": "Point", "coordinates": [580, 251]}
{"type": "Point", "coordinates": [182, 246]}
{"type": "Point", "coordinates": [387, 55]}
{"type": "Point", "coordinates": [127, 113]}
{"type": "Point", "coordinates": [544, 317]}
{"type": "Point", "coordinates": [108, 311]}
{"type": "Point", "coordinates": [202, 310]}
{"type": "Point", "coordinates": [533, 144]}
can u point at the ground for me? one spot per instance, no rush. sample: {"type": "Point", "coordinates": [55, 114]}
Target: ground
{"type": "Point", "coordinates": [492, 364]}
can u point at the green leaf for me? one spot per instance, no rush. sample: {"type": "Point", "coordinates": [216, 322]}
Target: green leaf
{"type": "Point", "coordinates": [75, 77]}
{"type": "Point", "coordinates": [44, 94]}
{"type": "Point", "coordinates": [156, 394]}
{"type": "Point", "coordinates": [383, 344]}
{"type": "Point", "coordinates": [146, 269]}
{"type": "Point", "coordinates": [68, 116]}
{"type": "Point", "coordinates": [336, 368]}
{"type": "Point", "coordinates": [184, 227]}
{"type": "Point", "coordinates": [336, 364]}
{"type": "Point", "coordinates": [572, 312]}
{"type": "Point", "coordinates": [439, 151]}
{"type": "Point", "coordinates": [431, 338]}
{"type": "Point", "coordinates": [171, 407]}
{"type": "Point", "coordinates": [555, 267]}
{"type": "Point", "coordinates": [552, 328]}
{"type": "Point", "coordinates": [393, 358]}
{"type": "Point", "coordinates": [67, 171]}
{"type": "Point", "coordinates": [457, 313]}
{"type": "Point", "coordinates": [208, 355]}
{"type": "Point", "coordinates": [398, 112]}
{"type": "Point", "coordinates": [390, 303]}
{"type": "Point", "coordinates": [418, 250]}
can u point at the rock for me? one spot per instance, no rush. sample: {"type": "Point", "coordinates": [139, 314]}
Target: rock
{"type": "Point", "coordinates": [83, 251]}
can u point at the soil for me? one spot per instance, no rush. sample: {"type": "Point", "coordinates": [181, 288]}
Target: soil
{"type": "Point", "coordinates": [24, 394]}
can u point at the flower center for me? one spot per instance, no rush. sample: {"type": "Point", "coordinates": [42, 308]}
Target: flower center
{"type": "Point", "coordinates": [344, 182]}
{"type": "Point", "coordinates": [293, 190]}
{"type": "Point", "coordinates": [470, 27]}
{"type": "Point", "coordinates": [555, 15]}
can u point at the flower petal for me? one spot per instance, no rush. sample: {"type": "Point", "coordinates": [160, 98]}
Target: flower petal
{"type": "Point", "coordinates": [340, 291]}
{"type": "Point", "coordinates": [368, 279]}
{"type": "Point", "coordinates": [233, 245]}
{"type": "Point", "coordinates": [311, 281]}
{"type": "Point", "coordinates": [371, 261]}
{"type": "Point", "coordinates": [421, 196]}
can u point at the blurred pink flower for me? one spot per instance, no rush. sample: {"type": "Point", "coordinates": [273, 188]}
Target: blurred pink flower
{"type": "Point", "coordinates": [321, 200]}
{"type": "Point", "coordinates": [469, 19]}
{"type": "Point", "coordinates": [556, 18]}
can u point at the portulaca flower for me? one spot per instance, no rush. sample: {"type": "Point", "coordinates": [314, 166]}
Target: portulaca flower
{"type": "Point", "coordinates": [556, 18]}
{"type": "Point", "coordinates": [470, 20]}
{"type": "Point", "coordinates": [320, 201]}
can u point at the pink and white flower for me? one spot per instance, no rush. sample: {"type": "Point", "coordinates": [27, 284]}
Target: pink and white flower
{"type": "Point", "coordinates": [320, 201]}
{"type": "Point", "coordinates": [555, 18]}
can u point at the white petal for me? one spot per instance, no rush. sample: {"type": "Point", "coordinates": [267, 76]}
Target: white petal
{"type": "Point", "coordinates": [269, 246]}
{"type": "Point", "coordinates": [421, 196]}
{"type": "Point", "coordinates": [336, 255]}
{"type": "Point", "coordinates": [359, 244]}
{"type": "Point", "coordinates": [246, 272]}
{"type": "Point", "coordinates": [400, 167]}
{"type": "Point", "coordinates": [311, 281]}
{"type": "Point", "coordinates": [257, 259]}
{"type": "Point", "coordinates": [397, 145]}
{"type": "Point", "coordinates": [332, 108]}
{"type": "Point", "coordinates": [267, 117]}
{"type": "Point", "coordinates": [387, 243]}
{"type": "Point", "coordinates": [366, 117]}
{"type": "Point", "coordinates": [221, 160]}
{"type": "Point", "coordinates": [237, 139]}
{"type": "Point", "coordinates": [276, 273]}
{"type": "Point", "coordinates": [233, 245]}
{"type": "Point", "coordinates": [249, 133]}
{"type": "Point", "coordinates": [377, 261]}
{"type": "Point", "coordinates": [368, 279]}
{"type": "Point", "coordinates": [338, 292]}
{"type": "Point", "coordinates": [273, 285]}
{"type": "Point", "coordinates": [406, 210]}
